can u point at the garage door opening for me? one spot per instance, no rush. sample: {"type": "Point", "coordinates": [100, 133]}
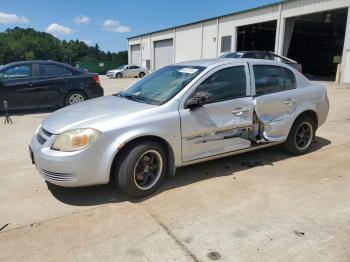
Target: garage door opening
{"type": "Point", "coordinates": [135, 55]}
{"type": "Point", "coordinates": [163, 53]}
{"type": "Point", "coordinates": [257, 37]}
{"type": "Point", "coordinates": [316, 41]}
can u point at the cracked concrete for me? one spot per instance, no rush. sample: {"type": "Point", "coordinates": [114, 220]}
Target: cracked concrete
{"type": "Point", "coordinates": [285, 208]}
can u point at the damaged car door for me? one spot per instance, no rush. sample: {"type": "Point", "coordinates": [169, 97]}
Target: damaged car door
{"type": "Point", "coordinates": [217, 115]}
{"type": "Point", "coordinates": [276, 99]}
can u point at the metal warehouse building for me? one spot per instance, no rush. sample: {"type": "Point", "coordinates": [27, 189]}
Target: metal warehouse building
{"type": "Point", "coordinates": [315, 33]}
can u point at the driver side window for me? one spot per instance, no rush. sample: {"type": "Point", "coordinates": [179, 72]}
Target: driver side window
{"type": "Point", "coordinates": [226, 84]}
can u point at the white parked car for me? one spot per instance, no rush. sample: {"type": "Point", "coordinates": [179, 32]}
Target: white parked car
{"type": "Point", "coordinates": [128, 71]}
{"type": "Point", "coordinates": [179, 115]}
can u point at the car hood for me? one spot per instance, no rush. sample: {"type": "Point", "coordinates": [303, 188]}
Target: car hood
{"type": "Point", "coordinates": [93, 113]}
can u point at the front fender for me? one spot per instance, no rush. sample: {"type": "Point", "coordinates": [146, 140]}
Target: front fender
{"type": "Point", "coordinates": [165, 128]}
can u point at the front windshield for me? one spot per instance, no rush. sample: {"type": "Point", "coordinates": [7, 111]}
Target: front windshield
{"type": "Point", "coordinates": [232, 55]}
{"type": "Point", "coordinates": [162, 85]}
{"type": "Point", "coordinates": [121, 67]}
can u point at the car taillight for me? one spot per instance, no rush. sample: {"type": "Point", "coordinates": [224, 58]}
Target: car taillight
{"type": "Point", "coordinates": [96, 79]}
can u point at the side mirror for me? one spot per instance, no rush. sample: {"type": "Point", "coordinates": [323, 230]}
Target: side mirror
{"type": "Point", "coordinates": [198, 100]}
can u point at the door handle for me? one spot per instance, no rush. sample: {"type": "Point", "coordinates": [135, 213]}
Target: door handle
{"type": "Point", "coordinates": [289, 101]}
{"type": "Point", "coordinates": [240, 111]}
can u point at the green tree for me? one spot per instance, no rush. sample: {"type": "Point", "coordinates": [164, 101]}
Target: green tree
{"type": "Point", "coordinates": [29, 55]}
{"type": "Point", "coordinates": [27, 44]}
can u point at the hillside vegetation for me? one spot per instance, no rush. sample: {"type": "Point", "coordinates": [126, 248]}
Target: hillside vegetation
{"type": "Point", "coordinates": [19, 44]}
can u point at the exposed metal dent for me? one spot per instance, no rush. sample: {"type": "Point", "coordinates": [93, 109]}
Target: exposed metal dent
{"type": "Point", "coordinates": [220, 134]}
{"type": "Point", "coordinates": [274, 139]}
{"type": "Point", "coordinates": [273, 120]}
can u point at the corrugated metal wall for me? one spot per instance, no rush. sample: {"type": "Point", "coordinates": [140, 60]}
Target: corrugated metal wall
{"type": "Point", "coordinates": [188, 43]}
{"type": "Point", "coordinates": [209, 49]}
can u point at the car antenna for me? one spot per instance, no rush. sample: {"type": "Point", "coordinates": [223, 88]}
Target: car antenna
{"type": "Point", "coordinates": [8, 119]}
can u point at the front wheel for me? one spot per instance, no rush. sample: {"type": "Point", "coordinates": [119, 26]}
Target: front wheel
{"type": "Point", "coordinates": [141, 169]}
{"type": "Point", "coordinates": [301, 136]}
{"type": "Point", "coordinates": [74, 97]}
{"type": "Point", "coordinates": [141, 75]}
{"type": "Point", "coordinates": [118, 75]}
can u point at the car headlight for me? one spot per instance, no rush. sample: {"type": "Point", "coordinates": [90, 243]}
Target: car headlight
{"type": "Point", "coordinates": [76, 139]}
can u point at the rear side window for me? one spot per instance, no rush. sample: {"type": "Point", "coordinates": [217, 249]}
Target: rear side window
{"type": "Point", "coordinates": [21, 71]}
{"type": "Point", "coordinates": [272, 79]}
{"type": "Point", "coordinates": [226, 84]}
{"type": "Point", "coordinates": [53, 70]}
{"type": "Point", "coordinates": [290, 81]}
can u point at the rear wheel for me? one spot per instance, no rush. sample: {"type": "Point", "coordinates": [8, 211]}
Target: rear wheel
{"type": "Point", "coordinates": [301, 136]}
{"type": "Point", "coordinates": [142, 74]}
{"type": "Point", "coordinates": [74, 97]}
{"type": "Point", "coordinates": [118, 75]}
{"type": "Point", "coordinates": [141, 169]}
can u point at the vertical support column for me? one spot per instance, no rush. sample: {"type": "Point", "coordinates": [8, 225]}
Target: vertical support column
{"type": "Point", "coordinates": [280, 28]}
{"type": "Point", "coordinates": [345, 65]}
{"type": "Point", "coordinates": [217, 37]}
{"type": "Point", "coordinates": [129, 53]}
{"type": "Point", "coordinates": [234, 39]}
{"type": "Point", "coordinates": [152, 54]}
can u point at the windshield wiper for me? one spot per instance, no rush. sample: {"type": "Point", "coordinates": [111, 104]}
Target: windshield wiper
{"type": "Point", "coordinates": [132, 97]}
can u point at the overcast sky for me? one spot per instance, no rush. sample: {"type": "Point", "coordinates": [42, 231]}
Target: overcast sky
{"type": "Point", "coordinates": [109, 22]}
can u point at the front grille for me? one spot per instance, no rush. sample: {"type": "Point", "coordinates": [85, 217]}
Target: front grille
{"type": "Point", "coordinates": [59, 177]}
{"type": "Point", "coordinates": [41, 140]}
{"type": "Point", "coordinates": [43, 136]}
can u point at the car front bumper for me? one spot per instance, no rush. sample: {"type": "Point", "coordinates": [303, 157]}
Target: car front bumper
{"type": "Point", "coordinates": [89, 166]}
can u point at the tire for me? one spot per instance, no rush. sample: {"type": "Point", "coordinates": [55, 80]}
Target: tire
{"type": "Point", "coordinates": [118, 75]}
{"type": "Point", "coordinates": [74, 97]}
{"type": "Point", "coordinates": [141, 75]}
{"type": "Point", "coordinates": [140, 184]}
{"type": "Point", "coordinates": [301, 136]}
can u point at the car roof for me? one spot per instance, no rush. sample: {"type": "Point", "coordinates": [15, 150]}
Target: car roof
{"type": "Point", "coordinates": [36, 62]}
{"type": "Point", "coordinates": [223, 61]}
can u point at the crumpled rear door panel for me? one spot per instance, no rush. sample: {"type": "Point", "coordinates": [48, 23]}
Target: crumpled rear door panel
{"type": "Point", "coordinates": [275, 112]}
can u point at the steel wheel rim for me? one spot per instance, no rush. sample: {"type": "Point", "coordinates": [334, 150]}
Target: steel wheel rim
{"type": "Point", "coordinates": [303, 136]}
{"type": "Point", "coordinates": [76, 98]}
{"type": "Point", "coordinates": [148, 169]}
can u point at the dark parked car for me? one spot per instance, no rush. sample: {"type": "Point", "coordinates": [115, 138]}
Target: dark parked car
{"type": "Point", "coordinates": [267, 55]}
{"type": "Point", "coordinates": [31, 84]}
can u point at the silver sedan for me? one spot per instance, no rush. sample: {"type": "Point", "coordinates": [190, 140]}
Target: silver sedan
{"type": "Point", "coordinates": [179, 115]}
{"type": "Point", "coordinates": [128, 71]}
